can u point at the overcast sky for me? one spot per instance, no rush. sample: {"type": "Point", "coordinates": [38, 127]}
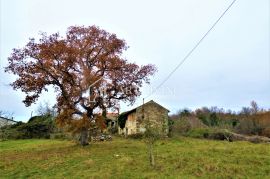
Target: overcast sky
{"type": "Point", "coordinates": [230, 68]}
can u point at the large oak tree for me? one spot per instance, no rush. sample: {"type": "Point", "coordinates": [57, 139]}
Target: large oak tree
{"type": "Point", "coordinates": [86, 70]}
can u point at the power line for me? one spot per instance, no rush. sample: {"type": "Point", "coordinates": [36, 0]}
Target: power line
{"type": "Point", "coordinates": [192, 50]}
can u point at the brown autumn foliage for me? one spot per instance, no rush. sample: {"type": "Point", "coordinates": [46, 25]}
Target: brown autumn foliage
{"type": "Point", "coordinates": [263, 120]}
{"type": "Point", "coordinates": [85, 56]}
{"type": "Point", "coordinates": [249, 121]}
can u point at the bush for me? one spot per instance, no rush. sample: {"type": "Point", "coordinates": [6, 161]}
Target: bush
{"type": "Point", "coordinates": [199, 133]}
{"type": "Point", "coordinates": [210, 119]}
{"type": "Point", "coordinates": [180, 126]}
{"type": "Point", "coordinates": [221, 134]}
{"type": "Point", "coordinates": [204, 119]}
{"type": "Point", "coordinates": [36, 127]}
{"type": "Point", "coordinates": [248, 126]}
{"type": "Point", "coordinates": [266, 132]}
{"type": "Point", "coordinates": [10, 132]}
{"type": "Point", "coordinates": [210, 133]}
{"type": "Point", "coordinates": [170, 125]}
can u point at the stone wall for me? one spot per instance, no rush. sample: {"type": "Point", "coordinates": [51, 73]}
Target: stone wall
{"type": "Point", "coordinates": [150, 112]}
{"type": "Point", "coordinates": [155, 114]}
{"type": "Point", "coordinates": [131, 124]}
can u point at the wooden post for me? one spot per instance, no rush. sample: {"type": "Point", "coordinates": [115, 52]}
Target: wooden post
{"type": "Point", "coordinates": [143, 109]}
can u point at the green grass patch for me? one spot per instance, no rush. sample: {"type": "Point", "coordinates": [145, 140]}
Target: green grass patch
{"type": "Point", "coordinates": [178, 157]}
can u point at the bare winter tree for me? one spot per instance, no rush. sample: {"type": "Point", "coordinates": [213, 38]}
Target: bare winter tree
{"type": "Point", "coordinates": [45, 109]}
{"type": "Point", "coordinates": [254, 107]}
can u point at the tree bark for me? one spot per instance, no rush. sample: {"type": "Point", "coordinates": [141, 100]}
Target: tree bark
{"type": "Point", "coordinates": [84, 137]}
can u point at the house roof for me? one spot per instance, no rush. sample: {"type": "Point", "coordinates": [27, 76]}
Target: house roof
{"type": "Point", "coordinates": [134, 109]}
{"type": "Point", "coordinates": [123, 116]}
{"type": "Point", "coordinates": [7, 119]}
{"type": "Point", "coordinates": [110, 116]}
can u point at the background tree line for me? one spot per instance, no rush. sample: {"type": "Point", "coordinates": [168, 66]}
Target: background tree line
{"type": "Point", "coordinates": [251, 120]}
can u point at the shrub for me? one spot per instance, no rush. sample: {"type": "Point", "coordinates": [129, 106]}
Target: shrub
{"type": "Point", "coordinates": [234, 122]}
{"type": "Point", "coordinates": [210, 119]}
{"type": "Point", "coordinates": [214, 121]}
{"type": "Point", "coordinates": [204, 119]}
{"type": "Point", "coordinates": [36, 127]}
{"type": "Point", "coordinates": [266, 132]}
{"type": "Point", "coordinates": [248, 126]}
{"type": "Point", "coordinates": [170, 125]}
{"type": "Point", "coordinates": [183, 125]}
{"type": "Point", "coordinates": [199, 133]}
{"type": "Point", "coordinates": [10, 132]}
{"type": "Point", "coordinates": [180, 126]}
{"type": "Point", "coordinates": [210, 133]}
{"type": "Point", "coordinates": [220, 134]}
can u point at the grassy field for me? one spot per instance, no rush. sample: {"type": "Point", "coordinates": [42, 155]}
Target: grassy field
{"type": "Point", "coordinates": [126, 158]}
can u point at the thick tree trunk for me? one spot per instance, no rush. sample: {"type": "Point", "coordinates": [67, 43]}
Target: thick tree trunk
{"type": "Point", "coordinates": [84, 137]}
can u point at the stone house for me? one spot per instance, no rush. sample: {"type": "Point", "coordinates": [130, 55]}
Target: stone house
{"type": "Point", "coordinates": [133, 121]}
{"type": "Point", "coordinates": [5, 121]}
{"type": "Point", "coordinates": [111, 119]}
